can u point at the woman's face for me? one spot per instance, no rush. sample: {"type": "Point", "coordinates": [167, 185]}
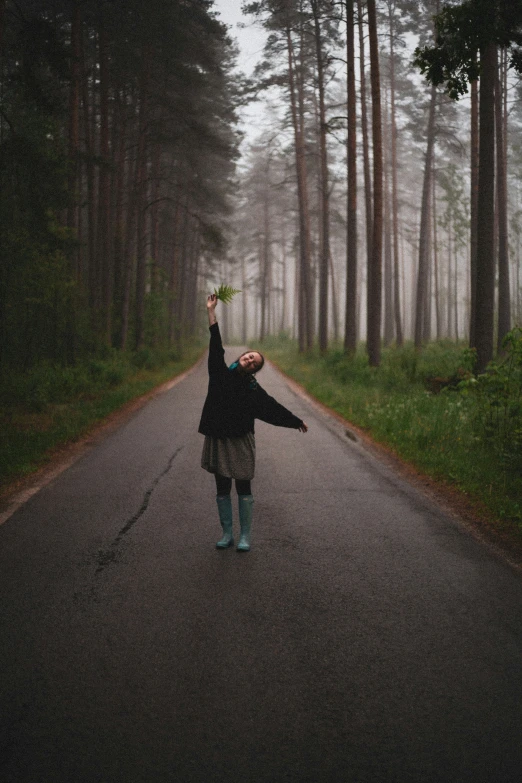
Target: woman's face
{"type": "Point", "coordinates": [250, 361]}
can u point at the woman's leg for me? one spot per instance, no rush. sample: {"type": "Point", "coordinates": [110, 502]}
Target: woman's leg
{"type": "Point", "coordinates": [245, 503]}
{"type": "Point", "coordinates": [224, 504]}
{"type": "Point", "coordinates": [223, 484]}
{"type": "Point", "coordinates": [243, 487]}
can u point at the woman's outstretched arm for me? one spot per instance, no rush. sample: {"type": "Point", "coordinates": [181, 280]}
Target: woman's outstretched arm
{"type": "Point", "coordinates": [212, 301]}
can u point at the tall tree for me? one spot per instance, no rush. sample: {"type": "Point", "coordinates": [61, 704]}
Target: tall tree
{"type": "Point", "coordinates": [504, 296]}
{"type": "Point", "coordinates": [350, 332]}
{"type": "Point", "coordinates": [462, 31]}
{"type": "Point", "coordinates": [324, 185]}
{"type": "Point", "coordinates": [374, 285]}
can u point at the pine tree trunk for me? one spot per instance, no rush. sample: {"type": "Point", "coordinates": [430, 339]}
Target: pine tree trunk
{"type": "Point", "coordinates": [423, 268]}
{"type": "Point", "coordinates": [324, 255]}
{"type": "Point", "coordinates": [174, 274]}
{"type": "Point", "coordinates": [91, 192]}
{"type": "Point", "coordinates": [473, 206]}
{"type": "Point", "coordinates": [395, 201]}
{"type": "Point", "coordinates": [104, 259]}
{"type": "Point", "coordinates": [365, 139]}
{"type": "Point", "coordinates": [120, 140]}
{"type": "Point", "coordinates": [265, 262]}
{"type": "Point", "coordinates": [74, 130]}
{"type": "Point", "coordinates": [141, 191]}
{"type": "Point", "coordinates": [438, 323]}
{"type": "Point", "coordinates": [335, 308]}
{"type": "Point", "coordinates": [485, 291]}
{"type": "Point", "coordinates": [374, 288]}
{"type": "Point", "coordinates": [504, 296]}
{"type": "Point", "coordinates": [305, 335]}
{"type": "Point", "coordinates": [73, 179]}
{"type": "Point", "coordinates": [350, 329]}
{"type": "Point", "coordinates": [388, 274]}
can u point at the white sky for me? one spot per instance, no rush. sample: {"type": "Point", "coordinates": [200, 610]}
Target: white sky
{"type": "Point", "coordinates": [251, 38]}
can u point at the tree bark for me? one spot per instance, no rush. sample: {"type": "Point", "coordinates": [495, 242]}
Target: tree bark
{"type": "Point", "coordinates": [399, 337]}
{"type": "Point", "coordinates": [436, 292]}
{"type": "Point", "coordinates": [374, 288]}
{"type": "Point", "coordinates": [473, 207]}
{"type": "Point", "coordinates": [504, 296]}
{"type": "Point", "coordinates": [485, 290]}
{"type": "Point", "coordinates": [324, 203]}
{"type": "Point", "coordinates": [365, 138]}
{"type": "Point", "coordinates": [423, 268]}
{"type": "Point", "coordinates": [350, 329]}
{"type": "Point", "coordinates": [388, 273]}
{"type": "Point", "coordinates": [305, 335]}
{"type": "Point", "coordinates": [103, 245]}
{"type": "Point", "coordinates": [141, 191]}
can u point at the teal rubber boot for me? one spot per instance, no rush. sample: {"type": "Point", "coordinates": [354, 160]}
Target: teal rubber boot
{"type": "Point", "coordinates": [224, 504]}
{"type": "Point", "coordinates": [245, 503]}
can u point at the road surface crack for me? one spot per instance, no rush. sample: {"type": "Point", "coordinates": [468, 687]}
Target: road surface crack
{"type": "Point", "coordinates": [109, 555]}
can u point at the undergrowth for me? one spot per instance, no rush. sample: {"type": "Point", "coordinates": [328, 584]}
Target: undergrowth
{"type": "Point", "coordinates": [52, 405]}
{"type": "Point", "coordinates": [430, 409]}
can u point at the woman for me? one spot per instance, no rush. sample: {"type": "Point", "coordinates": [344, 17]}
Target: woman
{"type": "Point", "coordinates": [233, 401]}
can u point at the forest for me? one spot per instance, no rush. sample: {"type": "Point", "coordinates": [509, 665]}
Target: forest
{"type": "Point", "coordinates": [373, 205]}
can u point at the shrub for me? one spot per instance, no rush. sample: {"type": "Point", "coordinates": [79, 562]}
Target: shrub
{"type": "Point", "coordinates": [498, 395]}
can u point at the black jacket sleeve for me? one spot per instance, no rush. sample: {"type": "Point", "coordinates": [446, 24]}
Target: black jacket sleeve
{"type": "Point", "coordinates": [268, 409]}
{"type": "Point", "coordinates": [216, 352]}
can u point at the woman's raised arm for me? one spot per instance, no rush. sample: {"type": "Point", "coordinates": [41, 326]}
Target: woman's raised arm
{"type": "Point", "coordinates": [212, 301]}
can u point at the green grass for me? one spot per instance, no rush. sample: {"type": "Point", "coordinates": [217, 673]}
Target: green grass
{"type": "Point", "coordinates": [438, 433]}
{"type": "Point", "coordinates": [53, 406]}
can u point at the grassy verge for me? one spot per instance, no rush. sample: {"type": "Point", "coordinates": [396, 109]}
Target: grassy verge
{"type": "Point", "coordinates": [51, 406]}
{"type": "Point", "coordinates": [399, 405]}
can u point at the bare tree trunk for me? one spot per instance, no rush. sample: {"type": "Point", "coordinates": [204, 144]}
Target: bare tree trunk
{"type": "Point", "coordinates": [128, 254]}
{"type": "Point", "coordinates": [395, 201]}
{"type": "Point", "coordinates": [264, 259]}
{"type": "Point", "coordinates": [504, 296]}
{"type": "Point", "coordinates": [324, 203]}
{"type": "Point", "coordinates": [104, 261]}
{"type": "Point", "coordinates": [120, 138]}
{"type": "Point", "coordinates": [305, 334]}
{"type": "Point", "coordinates": [335, 308]}
{"type": "Point", "coordinates": [388, 274]}
{"type": "Point", "coordinates": [426, 316]}
{"type": "Point", "coordinates": [374, 297]}
{"type": "Point", "coordinates": [438, 323]}
{"type": "Point", "coordinates": [141, 191]}
{"type": "Point", "coordinates": [365, 138]}
{"type": "Point", "coordinates": [74, 130]}
{"type": "Point", "coordinates": [456, 292]}
{"type": "Point", "coordinates": [350, 329]}
{"type": "Point", "coordinates": [485, 292]}
{"type": "Point", "coordinates": [92, 271]}
{"type": "Point", "coordinates": [423, 269]}
{"type": "Point", "coordinates": [473, 206]}
{"type": "Point", "coordinates": [73, 172]}
{"type": "Point", "coordinates": [450, 282]}
{"type": "Point", "coordinates": [244, 331]}
{"type": "Point", "coordinates": [174, 273]}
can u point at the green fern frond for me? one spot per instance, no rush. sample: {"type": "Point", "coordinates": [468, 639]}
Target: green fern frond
{"type": "Point", "coordinates": [226, 293]}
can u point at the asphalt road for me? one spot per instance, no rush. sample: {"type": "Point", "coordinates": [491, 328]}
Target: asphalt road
{"type": "Point", "coordinates": [366, 637]}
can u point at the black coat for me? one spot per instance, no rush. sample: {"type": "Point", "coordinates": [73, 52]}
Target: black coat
{"type": "Point", "coordinates": [232, 404]}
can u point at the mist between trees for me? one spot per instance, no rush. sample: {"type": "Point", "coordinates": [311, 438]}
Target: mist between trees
{"type": "Point", "coordinates": [359, 200]}
{"type": "Point", "coordinates": [372, 205]}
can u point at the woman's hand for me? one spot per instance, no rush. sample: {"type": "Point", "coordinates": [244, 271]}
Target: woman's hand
{"type": "Point", "coordinates": [303, 427]}
{"type": "Point", "coordinates": [212, 301]}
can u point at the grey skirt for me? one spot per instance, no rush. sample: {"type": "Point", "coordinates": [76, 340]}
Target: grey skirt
{"type": "Point", "coordinates": [232, 457]}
